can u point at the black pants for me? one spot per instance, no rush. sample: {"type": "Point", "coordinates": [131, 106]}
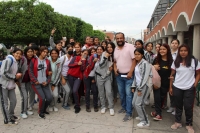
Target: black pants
{"type": "Point", "coordinates": [160, 96]}
{"type": "Point", "coordinates": [91, 86]}
{"type": "Point", "coordinates": [184, 98]}
{"type": "Point", "coordinates": [75, 84]}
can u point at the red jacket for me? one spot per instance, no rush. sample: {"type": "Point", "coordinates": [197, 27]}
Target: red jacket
{"type": "Point", "coordinates": [90, 66]}
{"type": "Point", "coordinates": [33, 70]}
{"type": "Point", "coordinates": [76, 70]}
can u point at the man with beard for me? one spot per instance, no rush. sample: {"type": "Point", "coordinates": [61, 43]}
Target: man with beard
{"type": "Point", "coordinates": [124, 65]}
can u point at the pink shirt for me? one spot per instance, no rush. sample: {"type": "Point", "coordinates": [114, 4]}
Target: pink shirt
{"type": "Point", "coordinates": [123, 57]}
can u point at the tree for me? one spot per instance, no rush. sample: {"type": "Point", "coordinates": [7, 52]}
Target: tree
{"type": "Point", "coordinates": [99, 34]}
{"type": "Point", "coordinates": [26, 21]}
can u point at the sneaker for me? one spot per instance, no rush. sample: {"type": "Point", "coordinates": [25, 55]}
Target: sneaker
{"type": "Point", "coordinates": [77, 110]}
{"type": "Point", "coordinates": [30, 108]}
{"type": "Point", "coordinates": [29, 113]}
{"type": "Point", "coordinates": [103, 110]}
{"type": "Point", "coordinates": [174, 112]}
{"type": "Point", "coordinates": [138, 118]}
{"type": "Point", "coordinates": [158, 118]}
{"type": "Point", "coordinates": [127, 118]}
{"type": "Point", "coordinates": [96, 109]}
{"type": "Point", "coordinates": [15, 118]}
{"type": "Point", "coordinates": [143, 124]}
{"type": "Point", "coordinates": [176, 126]}
{"type": "Point", "coordinates": [24, 116]}
{"type": "Point", "coordinates": [11, 122]}
{"type": "Point", "coordinates": [170, 110]}
{"type": "Point", "coordinates": [66, 107]}
{"type": "Point", "coordinates": [153, 114]}
{"type": "Point", "coordinates": [88, 109]}
{"type": "Point", "coordinates": [121, 111]}
{"type": "Point", "coordinates": [55, 109]}
{"type": "Point", "coordinates": [50, 109]}
{"type": "Point", "coordinates": [190, 129]}
{"type": "Point", "coordinates": [112, 112]}
{"type": "Point", "coordinates": [41, 116]}
{"type": "Point", "coordinates": [147, 103]}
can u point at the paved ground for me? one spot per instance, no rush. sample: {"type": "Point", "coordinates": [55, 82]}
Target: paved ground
{"type": "Point", "coordinates": [68, 122]}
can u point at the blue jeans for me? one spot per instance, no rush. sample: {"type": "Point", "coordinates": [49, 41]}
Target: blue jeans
{"type": "Point", "coordinates": [126, 95]}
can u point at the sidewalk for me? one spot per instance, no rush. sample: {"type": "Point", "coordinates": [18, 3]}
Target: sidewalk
{"type": "Point", "coordinates": [66, 121]}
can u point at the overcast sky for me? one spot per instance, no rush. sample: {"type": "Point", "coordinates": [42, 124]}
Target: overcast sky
{"type": "Point", "coordinates": [128, 16]}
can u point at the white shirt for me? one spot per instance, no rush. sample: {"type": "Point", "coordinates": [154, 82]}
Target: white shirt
{"type": "Point", "coordinates": [137, 75]}
{"type": "Point", "coordinates": [184, 78]}
{"type": "Point", "coordinates": [65, 67]}
{"type": "Point", "coordinates": [174, 55]}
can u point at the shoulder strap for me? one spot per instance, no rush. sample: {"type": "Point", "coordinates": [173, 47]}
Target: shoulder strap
{"type": "Point", "coordinates": [64, 60]}
{"type": "Point", "coordinates": [11, 60]}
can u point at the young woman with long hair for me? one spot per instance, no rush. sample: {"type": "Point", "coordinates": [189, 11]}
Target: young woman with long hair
{"type": "Point", "coordinates": [183, 88]}
{"type": "Point", "coordinates": [104, 44]}
{"type": "Point", "coordinates": [39, 72]}
{"type": "Point", "coordinates": [140, 86]}
{"type": "Point", "coordinates": [148, 53]}
{"type": "Point", "coordinates": [148, 57]}
{"type": "Point", "coordinates": [64, 81]}
{"type": "Point", "coordinates": [89, 79]}
{"type": "Point", "coordinates": [162, 64]}
{"type": "Point", "coordinates": [55, 77]}
{"type": "Point", "coordinates": [9, 76]}
{"type": "Point", "coordinates": [25, 85]}
{"type": "Point", "coordinates": [75, 75]}
{"type": "Point", "coordinates": [104, 79]}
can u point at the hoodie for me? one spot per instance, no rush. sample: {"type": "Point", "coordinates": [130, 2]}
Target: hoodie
{"type": "Point", "coordinates": [56, 71]}
{"type": "Point", "coordinates": [8, 73]}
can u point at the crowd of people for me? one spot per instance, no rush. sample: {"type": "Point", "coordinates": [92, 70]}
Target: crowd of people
{"type": "Point", "coordinates": [69, 71]}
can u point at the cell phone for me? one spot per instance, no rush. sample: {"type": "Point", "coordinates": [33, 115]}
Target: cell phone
{"type": "Point", "coordinates": [95, 55]}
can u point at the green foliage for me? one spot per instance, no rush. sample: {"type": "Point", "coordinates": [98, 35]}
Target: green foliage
{"type": "Point", "coordinates": [99, 34]}
{"type": "Point", "coordinates": [26, 21]}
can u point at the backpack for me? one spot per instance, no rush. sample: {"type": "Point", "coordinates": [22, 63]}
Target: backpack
{"type": "Point", "coordinates": [10, 64]}
{"type": "Point", "coordinates": [154, 78]}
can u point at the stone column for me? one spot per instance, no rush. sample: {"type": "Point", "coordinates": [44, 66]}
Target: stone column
{"type": "Point", "coordinates": [170, 38]}
{"type": "Point", "coordinates": [180, 37]}
{"type": "Point", "coordinates": [159, 41]}
{"type": "Point", "coordinates": [164, 40]}
{"type": "Point", "coordinates": [154, 47]}
{"type": "Point", "coordinates": [196, 41]}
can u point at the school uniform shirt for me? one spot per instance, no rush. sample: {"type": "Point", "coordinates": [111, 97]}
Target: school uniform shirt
{"type": "Point", "coordinates": [39, 70]}
{"type": "Point", "coordinates": [164, 73]}
{"type": "Point", "coordinates": [174, 55]}
{"type": "Point", "coordinates": [65, 64]}
{"type": "Point", "coordinates": [185, 76]}
{"type": "Point", "coordinates": [42, 66]}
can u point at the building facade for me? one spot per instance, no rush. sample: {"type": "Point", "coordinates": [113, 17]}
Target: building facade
{"type": "Point", "coordinates": [176, 19]}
